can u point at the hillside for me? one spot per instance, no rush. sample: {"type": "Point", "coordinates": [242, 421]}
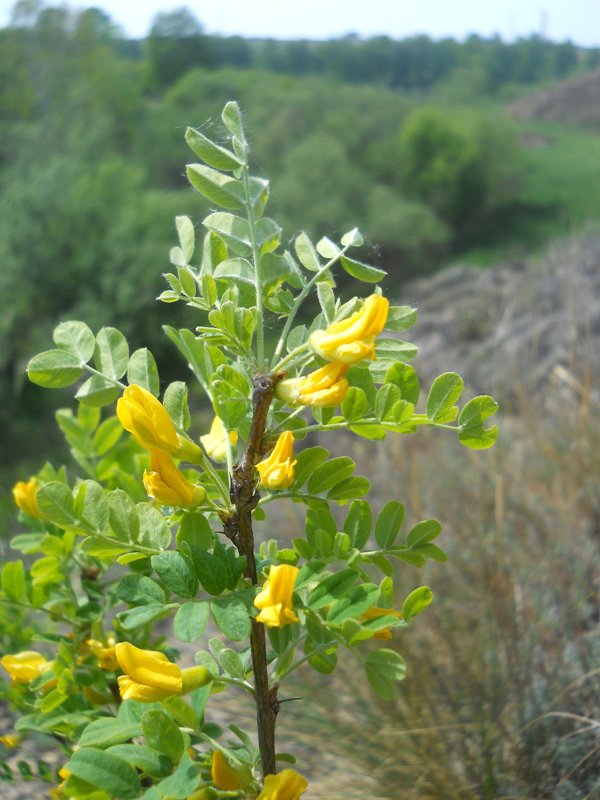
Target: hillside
{"type": "Point", "coordinates": [575, 101]}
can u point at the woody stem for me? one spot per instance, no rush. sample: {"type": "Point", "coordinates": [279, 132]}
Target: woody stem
{"type": "Point", "coordinates": [239, 529]}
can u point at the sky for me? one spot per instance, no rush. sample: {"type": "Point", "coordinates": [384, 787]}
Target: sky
{"type": "Point", "coordinates": [578, 20]}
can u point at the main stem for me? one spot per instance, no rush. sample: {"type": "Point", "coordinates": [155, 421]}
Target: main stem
{"type": "Point", "coordinates": [239, 529]}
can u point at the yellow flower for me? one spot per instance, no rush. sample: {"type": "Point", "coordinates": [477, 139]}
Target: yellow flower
{"type": "Point", "coordinates": [24, 495]}
{"type": "Point", "coordinates": [165, 483]}
{"type": "Point", "coordinates": [353, 339]}
{"type": "Point", "coordinates": [26, 666]}
{"type": "Point", "coordinates": [150, 676]}
{"type": "Point", "coordinates": [275, 599]}
{"type": "Point", "coordinates": [10, 740]}
{"type": "Point", "coordinates": [224, 776]}
{"type": "Point", "coordinates": [146, 418]}
{"type": "Point", "coordinates": [214, 442]}
{"type": "Point", "coordinates": [376, 613]}
{"type": "Point", "coordinates": [277, 471]}
{"type": "Point", "coordinates": [105, 653]}
{"type": "Point", "coordinates": [324, 388]}
{"type": "Point", "coordinates": [286, 785]}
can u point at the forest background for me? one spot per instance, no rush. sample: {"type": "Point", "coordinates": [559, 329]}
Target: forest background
{"type": "Point", "coordinates": [414, 140]}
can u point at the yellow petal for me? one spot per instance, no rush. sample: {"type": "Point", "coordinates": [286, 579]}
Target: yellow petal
{"type": "Point", "coordinates": [286, 785]}
{"type": "Point", "coordinates": [131, 690]}
{"type": "Point", "coordinates": [25, 497]}
{"type": "Point", "coordinates": [147, 668]}
{"type": "Point", "coordinates": [224, 776]}
{"type": "Point", "coordinates": [26, 666]}
{"type": "Point", "coordinates": [352, 339]}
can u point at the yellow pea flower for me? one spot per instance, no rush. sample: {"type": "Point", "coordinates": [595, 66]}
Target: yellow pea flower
{"type": "Point", "coordinates": [324, 388]}
{"type": "Point", "coordinates": [24, 495]}
{"type": "Point", "coordinates": [146, 418]}
{"type": "Point", "coordinates": [376, 613]}
{"type": "Point", "coordinates": [26, 666]}
{"type": "Point", "coordinates": [104, 653]}
{"type": "Point", "coordinates": [214, 442]}
{"type": "Point", "coordinates": [277, 471]}
{"type": "Point", "coordinates": [224, 776]}
{"type": "Point", "coordinates": [167, 484]}
{"type": "Point", "coordinates": [353, 339]}
{"type": "Point", "coordinates": [11, 740]}
{"type": "Point", "coordinates": [275, 599]}
{"type": "Point", "coordinates": [150, 676]}
{"type": "Point", "coordinates": [286, 785]}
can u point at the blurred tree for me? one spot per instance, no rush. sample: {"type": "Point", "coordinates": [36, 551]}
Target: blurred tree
{"type": "Point", "coordinates": [459, 164]}
{"type": "Point", "coordinates": [176, 44]}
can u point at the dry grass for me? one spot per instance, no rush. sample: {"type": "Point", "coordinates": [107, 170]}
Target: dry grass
{"type": "Point", "coordinates": [502, 698]}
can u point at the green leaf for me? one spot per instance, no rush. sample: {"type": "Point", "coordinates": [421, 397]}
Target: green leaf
{"type": "Point", "coordinates": [416, 602]}
{"type": "Point", "coordinates": [140, 590]}
{"type": "Point", "coordinates": [111, 354]}
{"type": "Point", "coordinates": [405, 378]}
{"type": "Point", "coordinates": [307, 255]}
{"type": "Point", "coordinates": [326, 301]}
{"type": "Point", "coordinates": [76, 338]}
{"type": "Point", "coordinates": [384, 667]}
{"type": "Point", "coordinates": [330, 474]}
{"type": "Point", "coordinates": [444, 393]}
{"type": "Point", "coordinates": [54, 369]}
{"type": "Point", "coordinates": [424, 532]}
{"type": "Point", "coordinates": [327, 248]}
{"type": "Point", "coordinates": [232, 663]}
{"type": "Point", "coordinates": [211, 153]}
{"type": "Point", "coordinates": [107, 435]}
{"type": "Point", "coordinates": [234, 230]}
{"type": "Point", "coordinates": [185, 234]}
{"type": "Point", "coordinates": [91, 505]}
{"type": "Point", "coordinates": [13, 581]}
{"type": "Point", "coordinates": [353, 603]}
{"type": "Point", "coordinates": [232, 119]}
{"type": "Point", "coordinates": [236, 269]}
{"type": "Point", "coordinates": [232, 618]}
{"type": "Point", "coordinates": [353, 238]}
{"type": "Point", "coordinates": [358, 523]}
{"type": "Point", "coordinates": [220, 189]}
{"type": "Point", "coordinates": [134, 618]}
{"type": "Point", "coordinates": [176, 572]}
{"type": "Point", "coordinates": [331, 588]}
{"type": "Point", "coordinates": [395, 350]}
{"type": "Point", "coordinates": [154, 531]}
{"type": "Point", "coordinates": [142, 758]}
{"type": "Point", "coordinates": [182, 783]}
{"type": "Point", "coordinates": [211, 571]}
{"type": "Point", "coordinates": [307, 462]}
{"type": "Point", "coordinates": [162, 734]}
{"type": "Point", "coordinates": [195, 529]}
{"type": "Point", "coordinates": [55, 501]}
{"type": "Point", "coordinates": [97, 392]}
{"type": "Point", "coordinates": [349, 488]}
{"type": "Point", "coordinates": [175, 400]}
{"type": "Point", "coordinates": [362, 272]}
{"type": "Point", "coordinates": [355, 404]}
{"type": "Point", "coordinates": [122, 516]}
{"type": "Point", "coordinates": [388, 524]}
{"type": "Point", "coordinates": [143, 371]}
{"type": "Point", "coordinates": [107, 731]}
{"type": "Point", "coordinates": [105, 771]}
{"type": "Point", "coordinates": [470, 423]}
{"type": "Point", "coordinates": [190, 621]}
{"type": "Point", "coordinates": [267, 234]}
{"type": "Point", "coordinates": [401, 318]}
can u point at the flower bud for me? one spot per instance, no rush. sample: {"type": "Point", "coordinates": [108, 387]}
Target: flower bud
{"type": "Point", "coordinates": [215, 442]}
{"type": "Point", "coordinates": [24, 495]}
{"type": "Point", "coordinates": [277, 471]}
{"type": "Point", "coordinates": [275, 599]}
{"type": "Point", "coordinates": [167, 484]}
